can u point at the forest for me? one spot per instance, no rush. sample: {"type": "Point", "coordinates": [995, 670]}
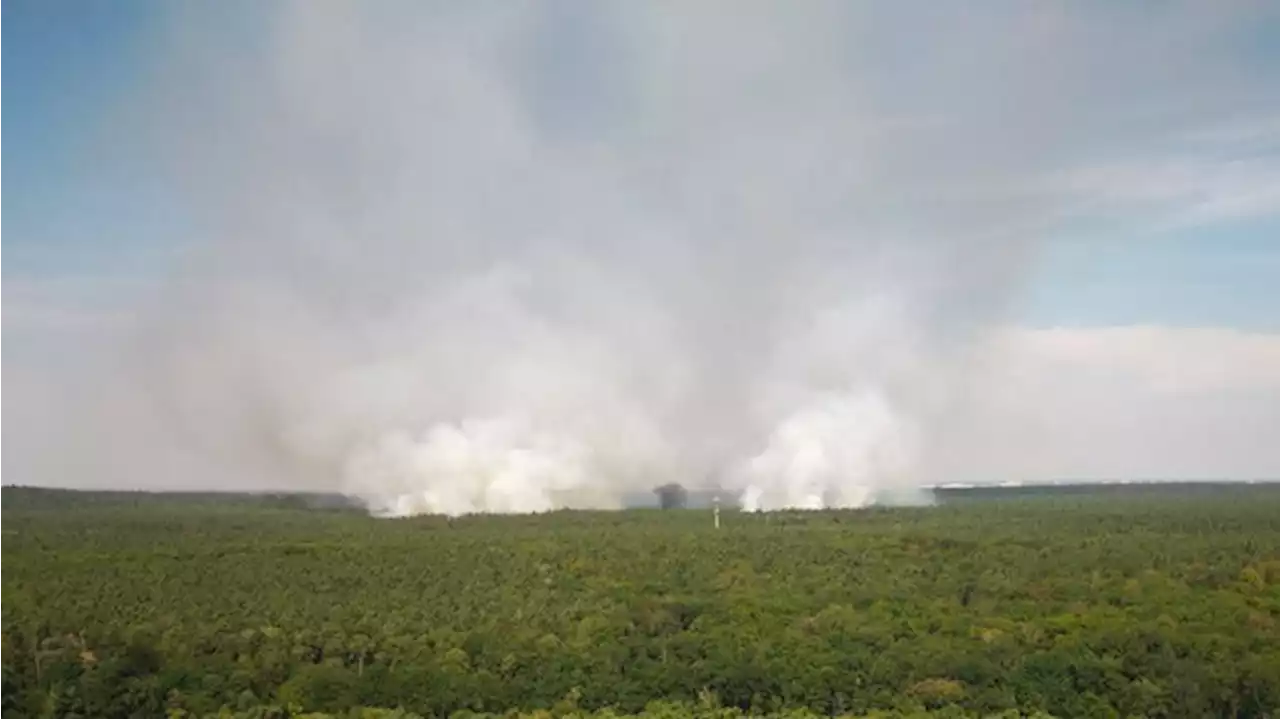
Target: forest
{"type": "Point", "coordinates": [1160, 601]}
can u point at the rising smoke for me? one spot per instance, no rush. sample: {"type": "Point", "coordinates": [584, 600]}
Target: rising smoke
{"type": "Point", "coordinates": [514, 258]}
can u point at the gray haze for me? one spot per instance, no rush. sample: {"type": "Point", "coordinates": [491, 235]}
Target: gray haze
{"type": "Point", "coordinates": [509, 257]}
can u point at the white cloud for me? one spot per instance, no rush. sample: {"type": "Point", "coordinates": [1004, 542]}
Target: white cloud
{"type": "Point", "coordinates": [1166, 192]}
{"type": "Point", "coordinates": [1153, 358]}
{"type": "Point", "coordinates": [1119, 402]}
{"type": "Point", "coordinates": [41, 308]}
{"type": "Point", "coordinates": [1248, 132]}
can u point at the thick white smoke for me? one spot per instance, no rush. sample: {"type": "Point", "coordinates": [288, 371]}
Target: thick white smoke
{"type": "Point", "coordinates": [511, 258]}
{"type": "Point", "coordinates": [481, 466]}
{"type": "Point", "coordinates": [836, 452]}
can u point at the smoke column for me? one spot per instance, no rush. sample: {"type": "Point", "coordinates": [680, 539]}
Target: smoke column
{"type": "Point", "coordinates": [508, 259]}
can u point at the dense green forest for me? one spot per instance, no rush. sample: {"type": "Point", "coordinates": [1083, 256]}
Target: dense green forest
{"type": "Point", "coordinates": [1158, 601]}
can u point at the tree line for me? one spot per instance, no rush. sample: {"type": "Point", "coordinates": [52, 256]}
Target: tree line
{"type": "Point", "coordinates": [1058, 604]}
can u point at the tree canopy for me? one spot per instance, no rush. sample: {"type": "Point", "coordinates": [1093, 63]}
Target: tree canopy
{"type": "Point", "coordinates": [1066, 604]}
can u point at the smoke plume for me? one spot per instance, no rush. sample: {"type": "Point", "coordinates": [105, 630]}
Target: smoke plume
{"type": "Point", "coordinates": [511, 258]}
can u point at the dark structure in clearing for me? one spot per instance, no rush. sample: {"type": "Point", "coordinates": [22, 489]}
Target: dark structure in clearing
{"type": "Point", "coordinates": [672, 496]}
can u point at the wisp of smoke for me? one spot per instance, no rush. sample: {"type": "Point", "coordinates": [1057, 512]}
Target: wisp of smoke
{"type": "Point", "coordinates": [513, 259]}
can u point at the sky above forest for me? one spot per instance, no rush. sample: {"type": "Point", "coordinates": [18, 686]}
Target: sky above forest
{"type": "Point", "coordinates": [1129, 152]}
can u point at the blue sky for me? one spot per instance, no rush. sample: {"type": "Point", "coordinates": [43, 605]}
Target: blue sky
{"type": "Point", "coordinates": [1221, 275]}
{"type": "Point", "coordinates": [81, 201]}
{"type": "Point", "coordinates": [73, 203]}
